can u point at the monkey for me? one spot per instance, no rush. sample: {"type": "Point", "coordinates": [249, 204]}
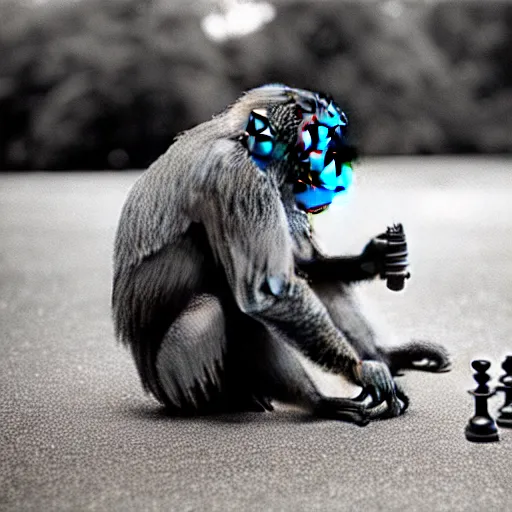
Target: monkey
{"type": "Point", "coordinates": [218, 280]}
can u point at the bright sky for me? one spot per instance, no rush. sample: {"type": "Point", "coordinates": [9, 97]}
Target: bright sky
{"type": "Point", "coordinates": [238, 19]}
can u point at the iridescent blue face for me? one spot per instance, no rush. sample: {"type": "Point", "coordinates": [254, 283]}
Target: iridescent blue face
{"type": "Point", "coordinates": [323, 169]}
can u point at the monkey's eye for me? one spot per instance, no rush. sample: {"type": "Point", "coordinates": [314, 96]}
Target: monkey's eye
{"type": "Point", "coordinates": [260, 138]}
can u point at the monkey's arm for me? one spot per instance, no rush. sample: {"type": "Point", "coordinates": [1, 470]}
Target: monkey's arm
{"type": "Point", "coordinates": [362, 267]}
{"type": "Point", "coordinates": [318, 267]}
{"type": "Point", "coordinates": [247, 228]}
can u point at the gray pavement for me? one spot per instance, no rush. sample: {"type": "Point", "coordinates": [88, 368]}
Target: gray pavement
{"type": "Point", "coordinates": [77, 432]}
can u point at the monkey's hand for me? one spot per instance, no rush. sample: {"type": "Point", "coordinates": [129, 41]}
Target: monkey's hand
{"type": "Point", "coordinates": [363, 267]}
{"type": "Point", "coordinates": [373, 257]}
{"type": "Point", "coordinates": [386, 256]}
{"type": "Point", "coordinates": [381, 395]}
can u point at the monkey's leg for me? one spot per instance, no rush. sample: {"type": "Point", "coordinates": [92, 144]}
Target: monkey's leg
{"type": "Point", "coordinates": [342, 305]}
{"type": "Point", "coordinates": [272, 369]}
{"type": "Point", "coordinates": [198, 371]}
{"type": "Point", "coordinates": [190, 360]}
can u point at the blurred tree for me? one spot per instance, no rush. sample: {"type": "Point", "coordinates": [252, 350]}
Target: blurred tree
{"type": "Point", "coordinates": [93, 84]}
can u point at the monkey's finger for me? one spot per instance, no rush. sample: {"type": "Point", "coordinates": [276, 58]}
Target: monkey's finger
{"type": "Point", "coordinates": [364, 397]}
{"type": "Point", "coordinates": [376, 377]}
{"type": "Point", "coordinates": [402, 397]}
{"type": "Point", "coordinates": [376, 408]}
{"type": "Point", "coordinates": [395, 404]}
{"type": "Point", "coordinates": [385, 383]}
{"type": "Point", "coordinates": [394, 407]}
{"type": "Point", "coordinates": [386, 409]}
{"type": "Point", "coordinates": [359, 418]}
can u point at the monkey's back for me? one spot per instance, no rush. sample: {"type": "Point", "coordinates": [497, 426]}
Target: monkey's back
{"type": "Point", "coordinates": [183, 204]}
{"type": "Point", "coordinates": [162, 257]}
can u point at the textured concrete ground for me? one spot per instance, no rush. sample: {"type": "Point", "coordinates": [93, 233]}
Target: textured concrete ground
{"type": "Point", "coordinates": [77, 433]}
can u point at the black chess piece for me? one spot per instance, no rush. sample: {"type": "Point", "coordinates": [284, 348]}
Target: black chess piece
{"type": "Point", "coordinates": [481, 427]}
{"type": "Point", "coordinates": [395, 266]}
{"type": "Point", "coordinates": [505, 416]}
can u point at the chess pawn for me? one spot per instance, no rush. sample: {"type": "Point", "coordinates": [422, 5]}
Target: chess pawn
{"type": "Point", "coordinates": [505, 416]}
{"type": "Point", "coordinates": [481, 427]}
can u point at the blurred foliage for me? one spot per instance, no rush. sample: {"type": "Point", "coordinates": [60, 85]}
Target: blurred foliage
{"type": "Point", "coordinates": [94, 84]}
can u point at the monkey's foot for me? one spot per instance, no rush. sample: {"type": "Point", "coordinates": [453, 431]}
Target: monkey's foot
{"type": "Point", "coordinates": [378, 409]}
{"type": "Point", "coordinates": [418, 355]}
{"type": "Point", "coordinates": [344, 409]}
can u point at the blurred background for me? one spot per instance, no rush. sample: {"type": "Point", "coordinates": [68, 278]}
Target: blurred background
{"type": "Point", "coordinates": [95, 84]}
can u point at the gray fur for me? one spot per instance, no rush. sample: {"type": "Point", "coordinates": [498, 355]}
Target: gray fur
{"type": "Point", "coordinates": [192, 352]}
{"type": "Point", "coordinates": [208, 287]}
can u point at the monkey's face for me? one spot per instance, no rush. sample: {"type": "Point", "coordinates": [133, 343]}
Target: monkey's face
{"type": "Point", "coordinates": [308, 133]}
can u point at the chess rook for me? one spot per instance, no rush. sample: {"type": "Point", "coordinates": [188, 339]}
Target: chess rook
{"type": "Point", "coordinates": [481, 427]}
{"type": "Point", "coordinates": [505, 413]}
